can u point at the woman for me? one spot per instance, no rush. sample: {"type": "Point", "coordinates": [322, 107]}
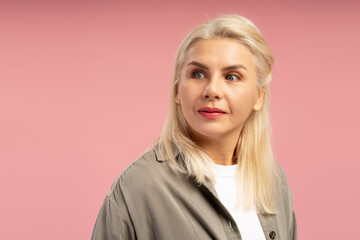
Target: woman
{"type": "Point", "coordinates": [212, 174]}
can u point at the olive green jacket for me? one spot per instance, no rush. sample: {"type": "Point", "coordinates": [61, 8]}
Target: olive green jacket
{"type": "Point", "coordinates": [148, 201]}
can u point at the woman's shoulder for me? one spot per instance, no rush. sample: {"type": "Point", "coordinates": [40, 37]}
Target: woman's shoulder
{"type": "Point", "coordinates": [142, 168]}
{"type": "Point", "coordinates": [282, 181]}
{"type": "Point", "coordinates": [283, 194]}
{"type": "Point", "coordinates": [144, 174]}
{"type": "Point", "coordinates": [285, 206]}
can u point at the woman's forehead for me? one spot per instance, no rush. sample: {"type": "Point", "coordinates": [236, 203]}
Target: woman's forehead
{"type": "Point", "coordinates": [219, 52]}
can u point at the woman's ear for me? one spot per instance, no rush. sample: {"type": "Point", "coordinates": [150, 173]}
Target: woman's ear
{"type": "Point", "coordinates": [177, 98]}
{"type": "Point", "coordinates": [260, 100]}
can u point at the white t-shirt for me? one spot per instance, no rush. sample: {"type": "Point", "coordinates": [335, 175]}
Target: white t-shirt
{"type": "Point", "coordinates": [226, 187]}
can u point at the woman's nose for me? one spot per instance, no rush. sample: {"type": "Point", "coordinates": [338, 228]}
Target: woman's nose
{"type": "Point", "coordinates": [214, 88]}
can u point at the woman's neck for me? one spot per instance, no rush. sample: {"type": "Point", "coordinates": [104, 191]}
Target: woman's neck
{"type": "Point", "coordinates": [220, 150]}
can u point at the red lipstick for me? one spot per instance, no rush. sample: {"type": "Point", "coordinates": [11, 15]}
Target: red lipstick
{"type": "Point", "coordinates": [211, 113]}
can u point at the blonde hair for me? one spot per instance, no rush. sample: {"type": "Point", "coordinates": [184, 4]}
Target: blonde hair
{"type": "Point", "coordinates": [253, 151]}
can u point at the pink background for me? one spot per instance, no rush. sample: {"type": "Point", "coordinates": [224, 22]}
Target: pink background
{"type": "Point", "coordinates": [84, 89]}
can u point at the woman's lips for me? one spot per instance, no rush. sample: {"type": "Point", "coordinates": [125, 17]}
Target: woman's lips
{"type": "Point", "coordinates": [208, 112]}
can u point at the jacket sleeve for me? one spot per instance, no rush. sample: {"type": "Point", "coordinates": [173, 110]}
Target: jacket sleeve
{"type": "Point", "coordinates": [113, 222]}
{"type": "Point", "coordinates": [293, 228]}
{"type": "Point", "coordinates": [288, 205]}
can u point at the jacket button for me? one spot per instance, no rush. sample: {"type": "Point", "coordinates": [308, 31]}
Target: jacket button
{"type": "Point", "coordinates": [272, 235]}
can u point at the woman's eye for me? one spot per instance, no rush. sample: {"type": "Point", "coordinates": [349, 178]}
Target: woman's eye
{"type": "Point", "coordinates": [232, 78]}
{"type": "Point", "coordinates": [198, 75]}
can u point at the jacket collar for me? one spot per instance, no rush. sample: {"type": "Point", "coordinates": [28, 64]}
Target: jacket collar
{"type": "Point", "coordinates": [160, 157]}
{"type": "Point", "coordinates": [267, 221]}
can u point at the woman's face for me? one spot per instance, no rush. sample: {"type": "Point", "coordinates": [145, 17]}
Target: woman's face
{"type": "Point", "coordinates": [217, 89]}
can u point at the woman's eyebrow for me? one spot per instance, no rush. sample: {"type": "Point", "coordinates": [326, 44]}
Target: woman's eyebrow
{"type": "Point", "coordinates": [198, 65]}
{"type": "Point", "coordinates": [229, 68]}
{"type": "Point", "coordinates": [233, 67]}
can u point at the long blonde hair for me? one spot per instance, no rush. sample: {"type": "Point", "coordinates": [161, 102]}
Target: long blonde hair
{"type": "Point", "coordinates": [253, 151]}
